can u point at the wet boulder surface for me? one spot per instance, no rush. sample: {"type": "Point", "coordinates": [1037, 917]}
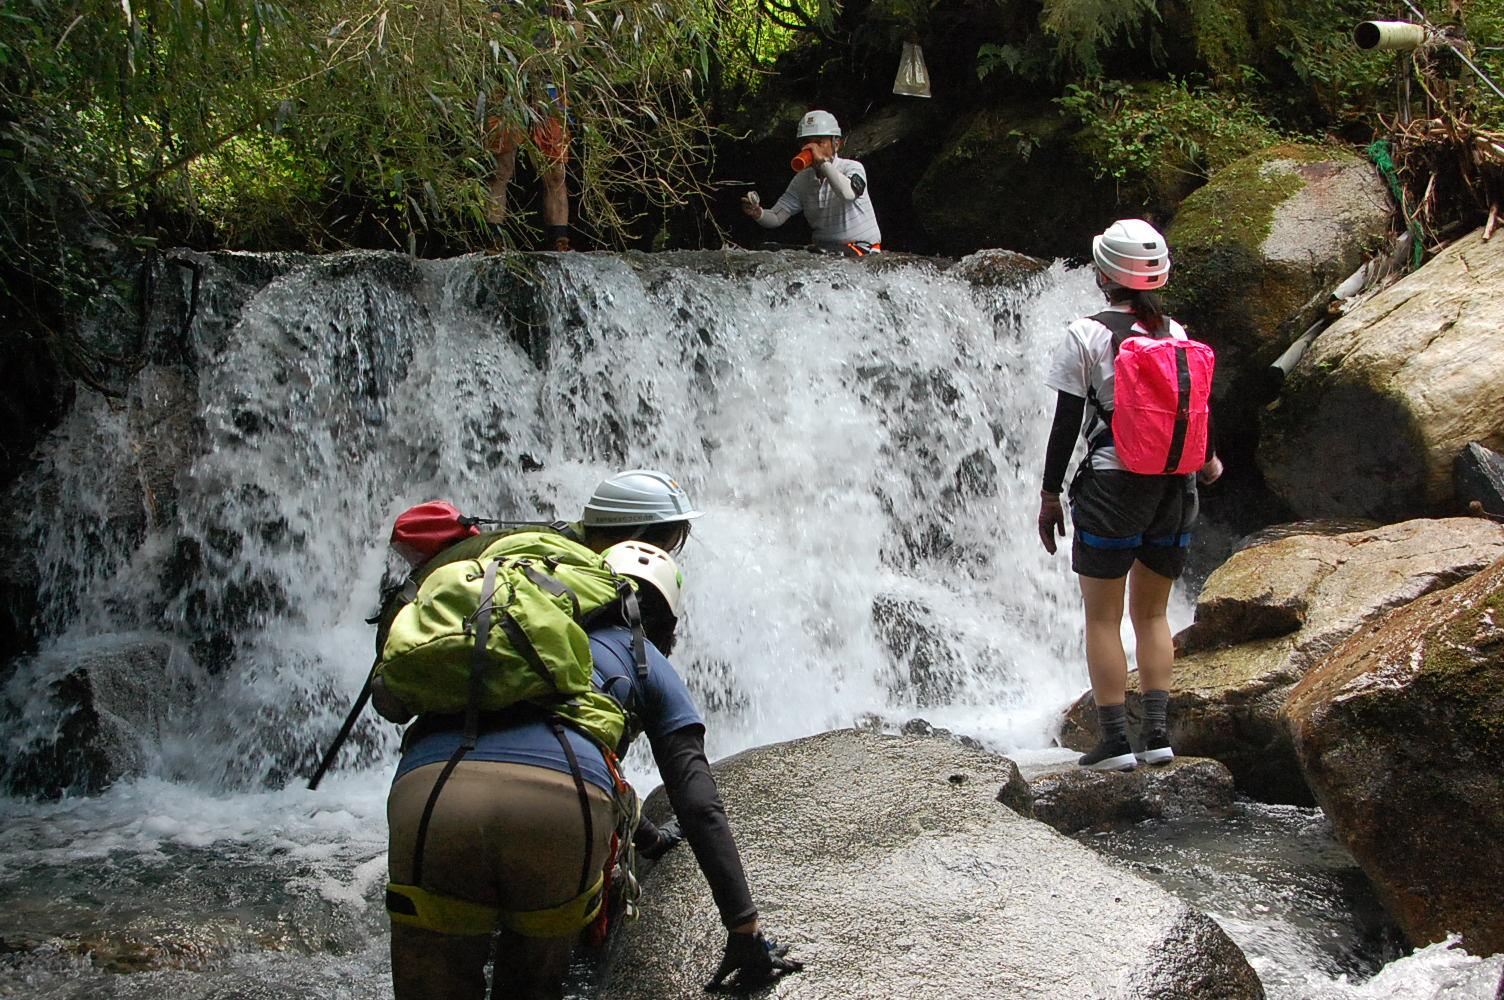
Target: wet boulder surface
{"type": "Point", "coordinates": [1071, 798]}
{"type": "Point", "coordinates": [1400, 733]}
{"type": "Point", "coordinates": [890, 868]}
{"type": "Point", "coordinates": [1269, 613]}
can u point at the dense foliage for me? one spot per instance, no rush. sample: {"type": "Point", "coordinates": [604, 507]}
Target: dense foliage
{"type": "Point", "coordinates": [320, 123]}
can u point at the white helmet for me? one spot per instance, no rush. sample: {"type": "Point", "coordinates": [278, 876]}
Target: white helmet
{"type": "Point", "coordinates": [1133, 254]}
{"type": "Point", "coordinates": [651, 565]}
{"type": "Point", "coordinates": [818, 123]}
{"type": "Point", "coordinates": [638, 496]}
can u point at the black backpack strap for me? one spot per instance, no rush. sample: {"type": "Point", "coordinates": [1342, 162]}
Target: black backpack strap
{"type": "Point", "coordinates": [1121, 326]}
{"type": "Point", "coordinates": [478, 664]}
{"type": "Point", "coordinates": [579, 787]}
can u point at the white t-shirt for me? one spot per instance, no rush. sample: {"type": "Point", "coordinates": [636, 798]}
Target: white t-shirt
{"type": "Point", "coordinates": [1084, 361]}
{"type": "Point", "coordinates": [834, 220]}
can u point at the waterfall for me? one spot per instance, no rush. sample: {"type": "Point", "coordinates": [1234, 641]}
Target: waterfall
{"type": "Point", "coordinates": [865, 439]}
{"type": "Point", "coordinates": [196, 560]}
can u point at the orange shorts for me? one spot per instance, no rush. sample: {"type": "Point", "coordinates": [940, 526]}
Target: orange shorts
{"type": "Point", "coordinates": [550, 136]}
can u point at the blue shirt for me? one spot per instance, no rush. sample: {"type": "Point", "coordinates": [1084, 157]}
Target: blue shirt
{"type": "Point", "coordinates": [663, 705]}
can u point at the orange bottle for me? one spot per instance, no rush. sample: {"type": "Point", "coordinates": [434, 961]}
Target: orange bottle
{"type": "Point", "coordinates": [802, 160]}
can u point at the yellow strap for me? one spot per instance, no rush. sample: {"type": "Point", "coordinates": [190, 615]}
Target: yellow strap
{"type": "Point", "coordinates": [411, 904]}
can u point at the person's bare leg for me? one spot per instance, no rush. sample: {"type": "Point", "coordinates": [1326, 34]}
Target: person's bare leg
{"type": "Point", "coordinates": [1148, 601]}
{"type": "Point", "coordinates": [1106, 661]}
{"type": "Point", "coordinates": [501, 177]}
{"type": "Point", "coordinates": [555, 196]}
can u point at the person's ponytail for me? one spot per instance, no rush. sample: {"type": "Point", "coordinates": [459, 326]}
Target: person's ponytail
{"type": "Point", "coordinates": [1146, 306]}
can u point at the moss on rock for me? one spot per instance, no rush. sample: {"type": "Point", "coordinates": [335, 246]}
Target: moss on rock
{"type": "Point", "coordinates": [1245, 267]}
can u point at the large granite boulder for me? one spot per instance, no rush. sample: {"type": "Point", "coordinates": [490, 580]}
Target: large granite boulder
{"type": "Point", "coordinates": [1374, 416]}
{"type": "Point", "coordinates": [888, 866]}
{"type": "Point", "coordinates": [1401, 735]}
{"type": "Point", "coordinates": [1269, 613]}
{"type": "Point", "coordinates": [1264, 237]}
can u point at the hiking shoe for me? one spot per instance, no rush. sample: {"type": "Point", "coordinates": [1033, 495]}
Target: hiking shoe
{"type": "Point", "coordinates": [1110, 755]}
{"type": "Point", "coordinates": [1156, 748]}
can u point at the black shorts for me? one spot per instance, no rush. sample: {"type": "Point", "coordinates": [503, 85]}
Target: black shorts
{"type": "Point", "coordinates": [1118, 517]}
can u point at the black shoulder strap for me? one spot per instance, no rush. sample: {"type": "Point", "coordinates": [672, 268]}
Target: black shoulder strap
{"type": "Point", "coordinates": [1120, 323]}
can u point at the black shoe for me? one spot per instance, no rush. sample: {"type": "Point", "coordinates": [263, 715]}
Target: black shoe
{"type": "Point", "coordinates": [1112, 754]}
{"type": "Point", "coordinates": [1156, 748]}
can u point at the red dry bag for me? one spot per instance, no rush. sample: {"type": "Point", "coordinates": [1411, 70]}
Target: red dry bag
{"type": "Point", "coordinates": [424, 531]}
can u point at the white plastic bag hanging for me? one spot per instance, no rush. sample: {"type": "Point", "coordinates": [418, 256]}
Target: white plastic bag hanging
{"type": "Point", "coordinates": [913, 80]}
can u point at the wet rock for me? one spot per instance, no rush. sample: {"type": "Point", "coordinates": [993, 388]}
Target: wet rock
{"type": "Point", "coordinates": [887, 866]}
{"type": "Point", "coordinates": [1478, 475]}
{"type": "Point", "coordinates": [1401, 735]}
{"type": "Point", "coordinates": [1269, 613]}
{"type": "Point", "coordinates": [1071, 798]}
{"type": "Point", "coordinates": [921, 658]}
{"type": "Point", "coordinates": [997, 268]}
{"type": "Point", "coordinates": [1373, 417]}
{"type": "Point", "coordinates": [105, 704]}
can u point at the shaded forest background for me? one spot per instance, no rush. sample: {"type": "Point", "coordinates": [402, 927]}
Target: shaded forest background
{"type": "Point", "coordinates": [318, 125]}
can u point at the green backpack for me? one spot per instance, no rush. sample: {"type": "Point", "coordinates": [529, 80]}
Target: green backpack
{"type": "Point", "coordinates": [499, 620]}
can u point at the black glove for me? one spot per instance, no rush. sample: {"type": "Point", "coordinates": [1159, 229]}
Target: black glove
{"type": "Point", "coordinates": [1051, 520]}
{"type": "Point", "coordinates": [669, 836]}
{"type": "Point", "coordinates": [754, 959]}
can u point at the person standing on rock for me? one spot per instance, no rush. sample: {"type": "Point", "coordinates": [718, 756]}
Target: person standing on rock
{"type": "Point", "coordinates": [829, 190]}
{"type": "Point", "coordinates": [500, 861]}
{"type": "Point", "coordinates": [1131, 528]}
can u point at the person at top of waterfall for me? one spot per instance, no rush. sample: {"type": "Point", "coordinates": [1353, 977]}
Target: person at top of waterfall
{"type": "Point", "coordinates": [830, 190]}
{"type": "Point", "coordinates": [1131, 531]}
{"type": "Point", "coordinates": [549, 136]}
{"type": "Point", "coordinates": [505, 836]}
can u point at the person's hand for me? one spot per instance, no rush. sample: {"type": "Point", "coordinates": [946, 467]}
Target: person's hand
{"type": "Point", "coordinates": [818, 154]}
{"type": "Point", "coordinates": [669, 837]}
{"type": "Point", "coordinates": [750, 208]}
{"type": "Point", "coordinates": [1210, 472]}
{"type": "Point", "coordinates": [1051, 520]}
{"type": "Point", "coordinates": [754, 960]}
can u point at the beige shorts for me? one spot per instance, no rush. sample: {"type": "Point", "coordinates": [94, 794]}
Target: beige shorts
{"type": "Point", "coordinates": [510, 836]}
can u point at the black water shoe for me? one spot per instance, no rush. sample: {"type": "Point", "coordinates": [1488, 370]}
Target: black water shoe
{"type": "Point", "coordinates": [1112, 754]}
{"type": "Point", "coordinates": [1156, 748]}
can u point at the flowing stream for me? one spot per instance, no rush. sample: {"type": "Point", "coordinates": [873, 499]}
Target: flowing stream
{"type": "Point", "coordinates": [866, 439]}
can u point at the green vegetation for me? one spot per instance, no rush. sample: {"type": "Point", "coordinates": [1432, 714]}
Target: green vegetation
{"type": "Point", "coordinates": [316, 124]}
{"type": "Point", "coordinates": [1138, 132]}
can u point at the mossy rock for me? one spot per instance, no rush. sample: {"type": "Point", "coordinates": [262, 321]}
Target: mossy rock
{"type": "Point", "coordinates": [1401, 735]}
{"type": "Point", "coordinates": [1014, 177]}
{"type": "Point", "coordinates": [1265, 236]}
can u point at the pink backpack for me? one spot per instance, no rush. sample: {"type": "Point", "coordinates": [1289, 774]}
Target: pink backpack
{"type": "Point", "coordinates": [1162, 391]}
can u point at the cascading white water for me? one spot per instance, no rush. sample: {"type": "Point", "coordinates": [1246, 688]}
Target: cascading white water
{"type": "Point", "coordinates": [866, 441]}
{"type": "Point", "coordinates": [866, 444]}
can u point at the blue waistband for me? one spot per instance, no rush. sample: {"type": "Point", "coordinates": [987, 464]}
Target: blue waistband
{"type": "Point", "coordinates": [1180, 541]}
{"type": "Point", "coordinates": [1101, 542]}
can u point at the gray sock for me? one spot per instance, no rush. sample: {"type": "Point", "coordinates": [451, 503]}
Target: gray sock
{"type": "Point", "coordinates": [1156, 710]}
{"type": "Point", "coordinates": [1114, 721]}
